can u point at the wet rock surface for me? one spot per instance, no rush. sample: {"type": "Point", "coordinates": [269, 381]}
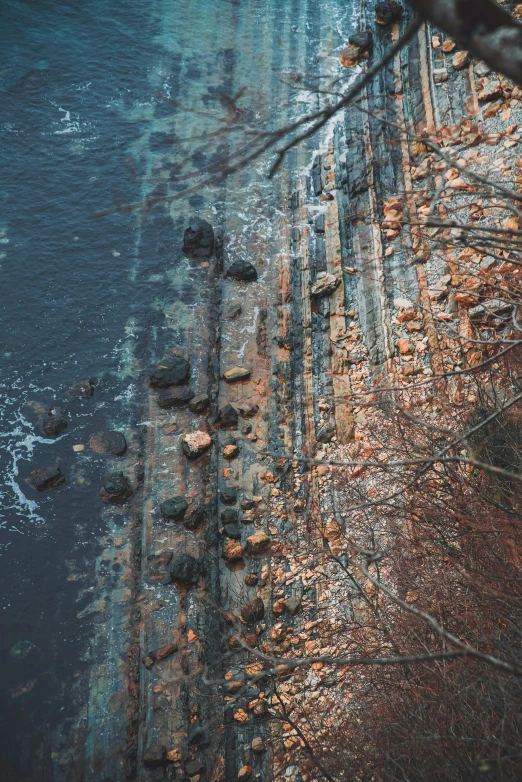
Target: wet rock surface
{"type": "Point", "coordinates": [174, 508]}
{"type": "Point", "coordinates": [171, 371]}
{"type": "Point", "coordinates": [175, 396]}
{"type": "Point", "coordinates": [82, 388]}
{"type": "Point", "coordinates": [116, 489]}
{"type": "Point", "coordinates": [54, 425]}
{"type": "Point", "coordinates": [198, 239]}
{"type": "Point", "coordinates": [46, 478]}
{"type": "Point", "coordinates": [108, 442]}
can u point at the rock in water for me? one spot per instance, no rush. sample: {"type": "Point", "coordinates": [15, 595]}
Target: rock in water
{"type": "Point", "coordinates": [228, 417]}
{"type": "Point", "coordinates": [324, 286]}
{"type": "Point", "coordinates": [83, 388]}
{"type": "Point", "coordinates": [116, 489]}
{"type": "Point", "coordinates": [359, 48]}
{"type": "Point", "coordinates": [53, 425]}
{"type": "Point", "coordinates": [363, 39]}
{"type": "Point", "coordinates": [108, 442]}
{"type": "Point", "coordinates": [198, 239]}
{"type": "Point", "coordinates": [171, 371]}
{"type": "Point", "coordinates": [234, 374]}
{"type": "Point", "coordinates": [232, 531]}
{"type": "Point", "coordinates": [199, 403]}
{"type": "Point", "coordinates": [195, 444]}
{"type": "Point", "coordinates": [173, 509]}
{"type": "Point", "coordinates": [388, 12]}
{"type": "Point", "coordinates": [242, 271]}
{"type": "Point", "coordinates": [46, 478]}
{"type": "Point", "coordinates": [185, 569]}
{"type": "Point", "coordinates": [174, 396]}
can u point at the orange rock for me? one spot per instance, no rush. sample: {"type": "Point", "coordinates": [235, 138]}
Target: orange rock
{"type": "Point", "coordinates": [232, 551]}
{"type": "Point", "coordinates": [241, 716]}
{"type": "Point", "coordinates": [404, 346]}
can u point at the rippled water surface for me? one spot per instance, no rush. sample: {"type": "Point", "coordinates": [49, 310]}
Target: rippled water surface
{"type": "Point", "coordinates": [102, 104]}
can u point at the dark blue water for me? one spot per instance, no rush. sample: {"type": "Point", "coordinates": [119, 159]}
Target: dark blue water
{"type": "Point", "coordinates": [99, 107]}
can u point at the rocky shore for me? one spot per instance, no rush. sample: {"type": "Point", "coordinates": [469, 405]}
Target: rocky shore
{"type": "Point", "coordinates": [263, 379]}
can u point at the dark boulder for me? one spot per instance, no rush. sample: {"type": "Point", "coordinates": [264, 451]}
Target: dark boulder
{"type": "Point", "coordinates": [185, 569]}
{"type": "Point", "coordinates": [171, 371]}
{"type": "Point", "coordinates": [254, 611]}
{"type": "Point", "coordinates": [242, 271]}
{"type": "Point", "coordinates": [198, 736]}
{"type": "Point", "coordinates": [155, 755]}
{"type": "Point", "coordinates": [199, 403]}
{"type": "Point", "coordinates": [195, 517]}
{"type": "Point", "coordinates": [158, 562]}
{"type": "Point", "coordinates": [173, 509]}
{"type": "Point", "coordinates": [198, 239]}
{"type": "Point", "coordinates": [46, 478]}
{"type": "Point", "coordinates": [388, 12]}
{"type": "Point", "coordinates": [229, 516]}
{"type": "Point", "coordinates": [108, 442]}
{"type": "Point", "coordinates": [363, 39]}
{"type": "Point", "coordinates": [116, 489]}
{"type": "Point", "coordinates": [251, 579]}
{"type": "Point", "coordinates": [83, 388]}
{"type": "Point", "coordinates": [228, 417]}
{"type": "Point", "coordinates": [232, 531]}
{"type": "Point", "coordinates": [53, 425]}
{"type": "Point", "coordinates": [228, 495]}
{"type": "Point", "coordinates": [175, 396]}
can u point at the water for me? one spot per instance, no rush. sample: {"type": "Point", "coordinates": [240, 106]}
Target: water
{"type": "Point", "coordinates": [106, 104]}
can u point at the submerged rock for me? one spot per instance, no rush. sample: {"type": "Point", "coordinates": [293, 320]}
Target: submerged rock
{"type": "Point", "coordinates": [198, 239]}
{"type": "Point", "coordinates": [116, 489]}
{"type": "Point", "coordinates": [46, 478]}
{"type": "Point", "coordinates": [199, 403]}
{"type": "Point", "coordinates": [108, 442]}
{"type": "Point", "coordinates": [83, 388]}
{"type": "Point", "coordinates": [173, 509]}
{"type": "Point", "coordinates": [171, 371]}
{"type": "Point", "coordinates": [175, 396]}
{"type": "Point", "coordinates": [195, 444]}
{"type": "Point", "coordinates": [228, 417]}
{"type": "Point", "coordinates": [185, 569]}
{"type": "Point", "coordinates": [253, 611]}
{"type": "Point", "coordinates": [53, 425]}
{"type": "Point", "coordinates": [242, 271]}
{"type": "Point", "coordinates": [388, 12]}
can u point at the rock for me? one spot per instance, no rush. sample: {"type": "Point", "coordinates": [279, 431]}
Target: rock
{"type": "Point", "coordinates": [481, 70]}
{"type": "Point", "coordinates": [198, 239]}
{"type": "Point", "coordinates": [248, 409]}
{"type": "Point", "coordinates": [175, 396]}
{"type": "Point", "coordinates": [388, 12]}
{"type": "Point", "coordinates": [248, 517]}
{"type": "Point", "coordinates": [53, 425]}
{"type": "Point", "coordinates": [171, 371]}
{"type": "Point", "coordinates": [251, 579]}
{"type": "Point", "coordinates": [155, 755]}
{"type": "Point", "coordinates": [173, 509]}
{"type": "Point", "coordinates": [490, 308]}
{"type": "Point", "coordinates": [292, 604]}
{"type": "Point", "coordinates": [186, 569]}
{"type": "Point", "coordinates": [160, 654]}
{"type": "Point", "coordinates": [231, 452]}
{"type": "Point", "coordinates": [228, 417]}
{"type": "Point", "coordinates": [116, 489]}
{"type": "Point", "coordinates": [108, 442]}
{"type": "Point", "coordinates": [195, 444]}
{"type": "Point", "coordinates": [363, 39]}
{"type": "Point", "coordinates": [325, 432]}
{"type": "Point", "coordinates": [460, 60]}
{"type": "Point", "coordinates": [21, 649]}
{"type": "Point", "coordinates": [232, 531]}
{"type": "Point", "coordinates": [159, 562]}
{"type": "Point", "coordinates": [232, 551]}
{"type": "Point", "coordinates": [258, 543]}
{"type": "Point", "coordinates": [404, 346]}
{"type": "Point", "coordinates": [324, 286]}
{"type": "Point", "coordinates": [198, 736]}
{"type": "Point", "coordinates": [258, 744]}
{"type": "Point", "coordinates": [83, 388]}
{"type": "Point", "coordinates": [194, 767]}
{"type": "Point", "coordinates": [440, 75]}
{"type": "Point", "coordinates": [229, 516]}
{"type": "Point", "coordinates": [489, 90]}
{"type": "Point", "coordinates": [242, 271]}
{"type": "Point", "coordinates": [244, 772]}
{"type": "Point", "coordinates": [359, 48]}
{"type": "Point", "coordinates": [228, 495]}
{"type": "Point", "coordinates": [253, 611]}
{"type": "Point", "coordinates": [46, 478]}
{"type": "Point", "coordinates": [234, 374]}
{"type": "Point", "coordinates": [195, 517]}
{"type": "Point", "coordinates": [261, 708]}
{"type": "Point", "coordinates": [199, 403]}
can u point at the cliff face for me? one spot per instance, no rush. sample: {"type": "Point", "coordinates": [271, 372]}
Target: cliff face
{"type": "Point", "coordinates": [349, 294]}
